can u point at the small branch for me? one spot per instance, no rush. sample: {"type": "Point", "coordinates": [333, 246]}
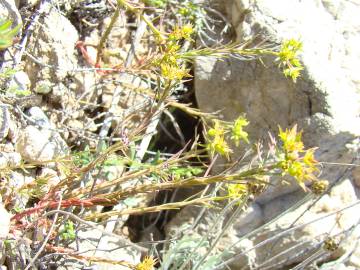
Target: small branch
{"type": "Point", "coordinates": [31, 263]}
{"type": "Point", "coordinates": [105, 36]}
{"type": "Point", "coordinates": [152, 209]}
{"type": "Point", "coordinates": [71, 253]}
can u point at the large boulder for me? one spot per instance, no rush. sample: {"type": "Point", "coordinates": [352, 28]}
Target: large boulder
{"type": "Point", "coordinates": [324, 102]}
{"type": "Point", "coordinates": [329, 82]}
{"type": "Point", "coordinates": [315, 225]}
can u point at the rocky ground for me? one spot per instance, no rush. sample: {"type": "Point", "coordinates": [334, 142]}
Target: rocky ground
{"type": "Point", "coordinates": [61, 108]}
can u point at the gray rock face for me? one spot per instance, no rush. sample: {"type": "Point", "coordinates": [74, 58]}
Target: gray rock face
{"type": "Point", "coordinates": [329, 82]}
{"type": "Point", "coordinates": [314, 229]}
{"type": "Point", "coordinates": [325, 102]}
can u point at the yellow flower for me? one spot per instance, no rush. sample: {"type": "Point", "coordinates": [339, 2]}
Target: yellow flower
{"type": "Point", "coordinates": [220, 146]}
{"type": "Point", "coordinates": [184, 32]}
{"type": "Point", "coordinates": [147, 264]}
{"type": "Point", "coordinates": [288, 58]}
{"type": "Point", "coordinates": [289, 51]}
{"type": "Point", "coordinates": [237, 130]}
{"type": "Point", "coordinates": [187, 31]}
{"type": "Point", "coordinates": [296, 170]}
{"type": "Point", "coordinates": [293, 72]}
{"type": "Point", "coordinates": [173, 72]}
{"type": "Point", "coordinates": [291, 140]}
{"type": "Point", "coordinates": [309, 157]}
{"type": "Point", "coordinates": [217, 130]}
{"type": "Point", "coordinates": [293, 160]}
{"type": "Point", "coordinates": [237, 190]}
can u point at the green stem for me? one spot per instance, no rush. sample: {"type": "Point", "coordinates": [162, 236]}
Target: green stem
{"type": "Point", "coordinates": [106, 34]}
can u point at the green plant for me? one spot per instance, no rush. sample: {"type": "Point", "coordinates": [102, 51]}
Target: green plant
{"type": "Point", "coordinates": [7, 34]}
{"type": "Point", "coordinates": [67, 232]}
{"type": "Point", "coordinates": [156, 3]}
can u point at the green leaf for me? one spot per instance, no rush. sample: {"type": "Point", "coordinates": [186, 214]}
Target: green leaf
{"type": "Point", "coordinates": [7, 34]}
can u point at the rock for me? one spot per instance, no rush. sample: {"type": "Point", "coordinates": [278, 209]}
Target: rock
{"type": "Point", "coordinates": [53, 44]}
{"type": "Point", "coordinates": [183, 224]}
{"type": "Point", "coordinates": [43, 87]}
{"type": "Point", "coordinates": [3, 162]}
{"type": "Point", "coordinates": [30, 3]}
{"type": "Point", "coordinates": [354, 260]}
{"type": "Point", "coordinates": [337, 266]}
{"type": "Point", "coordinates": [14, 159]}
{"type": "Point", "coordinates": [9, 160]}
{"type": "Point", "coordinates": [38, 117]}
{"type": "Point", "coordinates": [248, 260]}
{"type": "Point", "coordinates": [20, 82]}
{"type": "Point", "coordinates": [4, 230]}
{"type": "Point", "coordinates": [190, 234]}
{"type": "Point", "coordinates": [356, 176]}
{"type": "Point", "coordinates": [13, 131]}
{"type": "Point", "coordinates": [187, 217]}
{"type": "Point", "coordinates": [40, 145]}
{"type": "Point", "coordinates": [256, 214]}
{"type": "Point", "coordinates": [61, 94]}
{"type": "Point", "coordinates": [41, 142]}
{"type": "Point", "coordinates": [5, 222]}
{"type": "Point", "coordinates": [9, 11]}
{"type": "Point", "coordinates": [260, 90]}
{"type": "Point", "coordinates": [17, 180]}
{"type": "Point", "coordinates": [51, 176]}
{"type": "Point", "coordinates": [130, 102]}
{"type": "Point", "coordinates": [4, 121]}
{"type": "Point", "coordinates": [273, 208]}
{"type": "Point", "coordinates": [88, 241]}
{"type": "Point", "coordinates": [340, 196]}
{"type": "Point", "coordinates": [249, 220]}
{"type": "Point", "coordinates": [7, 147]}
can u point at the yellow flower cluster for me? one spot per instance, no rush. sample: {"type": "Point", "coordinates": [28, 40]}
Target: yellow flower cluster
{"type": "Point", "coordinates": [288, 58]}
{"type": "Point", "coordinates": [295, 160]}
{"type": "Point", "coordinates": [237, 131]}
{"type": "Point", "coordinates": [170, 66]}
{"type": "Point", "coordinates": [236, 191]}
{"type": "Point", "coordinates": [216, 140]}
{"type": "Point", "coordinates": [216, 136]}
{"type": "Point", "coordinates": [173, 72]}
{"type": "Point", "coordinates": [183, 32]}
